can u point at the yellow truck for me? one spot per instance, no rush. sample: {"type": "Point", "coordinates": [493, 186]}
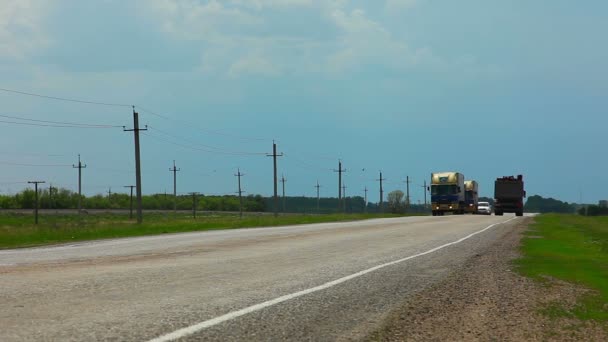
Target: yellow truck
{"type": "Point", "coordinates": [471, 196]}
{"type": "Point", "coordinates": [447, 193]}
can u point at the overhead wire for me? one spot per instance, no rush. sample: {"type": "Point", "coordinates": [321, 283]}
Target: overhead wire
{"type": "Point", "coordinates": [35, 165]}
{"type": "Point", "coordinates": [58, 98]}
{"type": "Point", "coordinates": [60, 123]}
{"type": "Point", "coordinates": [191, 125]}
{"type": "Point", "coordinates": [206, 148]}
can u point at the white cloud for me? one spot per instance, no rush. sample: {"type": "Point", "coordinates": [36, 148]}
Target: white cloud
{"type": "Point", "coordinates": [237, 38]}
{"type": "Point", "coordinates": [193, 20]}
{"type": "Point", "coordinates": [262, 4]}
{"type": "Point", "coordinates": [21, 28]}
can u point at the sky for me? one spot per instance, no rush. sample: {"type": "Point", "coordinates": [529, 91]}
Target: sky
{"type": "Point", "coordinates": [407, 87]}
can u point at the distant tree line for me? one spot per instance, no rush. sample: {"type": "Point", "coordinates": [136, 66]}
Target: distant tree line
{"type": "Point", "coordinates": [66, 199]}
{"type": "Point", "coordinates": [593, 210]}
{"type": "Point", "coordinates": [539, 204]}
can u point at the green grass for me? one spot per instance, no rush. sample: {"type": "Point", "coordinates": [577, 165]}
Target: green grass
{"type": "Point", "coordinates": [574, 249]}
{"type": "Point", "coordinates": [17, 230]}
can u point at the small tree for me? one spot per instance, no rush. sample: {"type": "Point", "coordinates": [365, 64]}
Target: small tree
{"type": "Point", "coordinates": [395, 201]}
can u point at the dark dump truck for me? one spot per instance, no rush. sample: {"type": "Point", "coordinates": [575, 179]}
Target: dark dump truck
{"type": "Point", "coordinates": [509, 195]}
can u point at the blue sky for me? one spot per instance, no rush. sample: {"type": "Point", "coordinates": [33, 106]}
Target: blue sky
{"type": "Point", "coordinates": [409, 87]}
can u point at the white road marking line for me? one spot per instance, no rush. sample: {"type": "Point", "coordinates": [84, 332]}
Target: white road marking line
{"type": "Point", "coordinates": [234, 314]}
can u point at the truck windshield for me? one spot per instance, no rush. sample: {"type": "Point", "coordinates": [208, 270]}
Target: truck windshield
{"type": "Point", "coordinates": [444, 189]}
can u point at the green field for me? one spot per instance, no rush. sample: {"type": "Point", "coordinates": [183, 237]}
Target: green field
{"type": "Point", "coordinates": [574, 249]}
{"type": "Point", "coordinates": [18, 230]}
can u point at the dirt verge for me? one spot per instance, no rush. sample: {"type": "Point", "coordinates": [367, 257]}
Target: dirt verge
{"type": "Point", "coordinates": [487, 301]}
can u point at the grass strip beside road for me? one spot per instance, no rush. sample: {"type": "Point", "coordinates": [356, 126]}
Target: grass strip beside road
{"type": "Point", "coordinates": [573, 249]}
{"type": "Point", "coordinates": [17, 230]}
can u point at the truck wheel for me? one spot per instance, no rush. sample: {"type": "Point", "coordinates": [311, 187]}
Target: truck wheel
{"type": "Point", "coordinates": [519, 213]}
{"type": "Point", "coordinates": [498, 213]}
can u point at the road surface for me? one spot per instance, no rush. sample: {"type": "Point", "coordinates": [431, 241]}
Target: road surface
{"type": "Point", "coordinates": [332, 281]}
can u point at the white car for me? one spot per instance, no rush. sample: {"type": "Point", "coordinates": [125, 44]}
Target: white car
{"type": "Point", "coordinates": [484, 208]}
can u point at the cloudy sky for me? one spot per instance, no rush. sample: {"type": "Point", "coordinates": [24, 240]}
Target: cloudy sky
{"type": "Point", "coordinates": [409, 87]}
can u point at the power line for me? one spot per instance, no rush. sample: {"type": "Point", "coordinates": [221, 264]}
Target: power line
{"type": "Point", "coordinates": [220, 150]}
{"type": "Point", "coordinates": [64, 98]}
{"type": "Point", "coordinates": [49, 125]}
{"type": "Point", "coordinates": [200, 149]}
{"type": "Point", "coordinates": [60, 122]}
{"type": "Point", "coordinates": [191, 125]}
{"type": "Point", "coordinates": [35, 165]}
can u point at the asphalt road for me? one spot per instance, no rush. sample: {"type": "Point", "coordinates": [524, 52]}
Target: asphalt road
{"type": "Point", "coordinates": [334, 281]}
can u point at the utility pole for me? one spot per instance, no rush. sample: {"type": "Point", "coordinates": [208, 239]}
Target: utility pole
{"type": "Point", "coordinates": [274, 156]}
{"type": "Point", "coordinates": [194, 194]}
{"type": "Point", "coordinates": [365, 207]}
{"type": "Point", "coordinates": [239, 175]}
{"type": "Point", "coordinates": [174, 170]}
{"type": "Point", "coordinates": [339, 171]}
{"type": "Point", "coordinates": [344, 197]}
{"type": "Point", "coordinates": [110, 196]}
{"type": "Point", "coordinates": [407, 192]}
{"type": "Point", "coordinates": [283, 180]}
{"type": "Point", "coordinates": [381, 193]}
{"type": "Point", "coordinates": [135, 131]}
{"type": "Point", "coordinates": [318, 198]}
{"type": "Point", "coordinates": [131, 201]}
{"type": "Point", "coordinates": [79, 167]}
{"type": "Point", "coordinates": [36, 199]}
{"type": "Point", "coordinates": [424, 187]}
{"type": "Point", "coordinates": [51, 188]}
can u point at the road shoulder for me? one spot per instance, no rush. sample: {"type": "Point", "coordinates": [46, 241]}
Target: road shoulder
{"type": "Point", "coordinates": [487, 300]}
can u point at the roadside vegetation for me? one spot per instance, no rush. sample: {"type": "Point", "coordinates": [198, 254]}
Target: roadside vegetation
{"type": "Point", "coordinates": [18, 230]}
{"type": "Point", "coordinates": [573, 249]}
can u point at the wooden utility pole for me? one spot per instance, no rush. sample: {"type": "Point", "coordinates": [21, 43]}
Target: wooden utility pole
{"type": "Point", "coordinates": [283, 180]}
{"type": "Point", "coordinates": [318, 197]}
{"type": "Point", "coordinates": [131, 201]}
{"type": "Point", "coordinates": [135, 131]}
{"type": "Point", "coordinates": [51, 188]}
{"type": "Point", "coordinates": [274, 156]}
{"type": "Point", "coordinates": [194, 200]}
{"type": "Point", "coordinates": [365, 199]}
{"type": "Point", "coordinates": [381, 193]}
{"type": "Point", "coordinates": [407, 192]}
{"type": "Point", "coordinates": [340, 171]}
{"type": "Point", "coordinates": [79, 167]}
{"type": "Point", "coordinates": [174, 170]}
{"type": "Point", "coordinates": [344, 197]}
{"type": "Point", "coordinates": [425, 190]}
{"type": "Point", "coordinates": [240, 192]}
{"type": "Point", "coordinates": [36, 199]}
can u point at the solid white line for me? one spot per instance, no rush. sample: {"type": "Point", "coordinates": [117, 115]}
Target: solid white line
{"type": "Point", "coordinates": [234, 314]}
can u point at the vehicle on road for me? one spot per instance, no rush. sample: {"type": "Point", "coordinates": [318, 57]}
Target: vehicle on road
{"type": "Point", "coordinates": [484, 208]}
{"type": "Point", "coordinates": [471, 196]}
{"type": "Point", "coordinates": [447, 193]}
{"type": "Point", "coordinates": [509, 195]}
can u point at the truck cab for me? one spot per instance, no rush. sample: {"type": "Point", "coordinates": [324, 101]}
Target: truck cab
{"type": "Point", "coordinates": [447, 193]}
{"type": "Point", "coordinates": [471, 196]}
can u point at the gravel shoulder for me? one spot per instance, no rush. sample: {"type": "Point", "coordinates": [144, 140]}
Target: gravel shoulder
{"type": "Point", "coordinates": [486, 300]}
